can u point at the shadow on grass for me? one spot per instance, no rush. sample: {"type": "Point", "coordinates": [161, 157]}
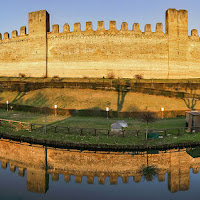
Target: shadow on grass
{"type": "Point", "coordinates": [18, 97]}
{"type": "Point", "coordinates": [38, 100]}
{"type": "Point", "coordinates": [95, 117]}
{"type": "Point", "coordinates": [121, 94]}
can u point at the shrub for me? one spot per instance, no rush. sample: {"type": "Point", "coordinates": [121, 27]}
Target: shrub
{"type": "Point", "coordinates": [56, 78]}
{"type": "Point", "coordinates": [22, 75]}
{"type": "Point", "coordinates": [44, 76]}
{"type": "Point", "coordinates": [138, 76]}
{"type": "Point", "coordinates": [111, 75]}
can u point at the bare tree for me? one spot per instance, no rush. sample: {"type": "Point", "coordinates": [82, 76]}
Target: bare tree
{"type": "Point", "coordinates": [192, 100]}
{"type": "Point", "coordinates": [148, 117]}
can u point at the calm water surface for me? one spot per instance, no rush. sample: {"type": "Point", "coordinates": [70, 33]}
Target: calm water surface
{"type": "Point", "coordinates": [36, 172]}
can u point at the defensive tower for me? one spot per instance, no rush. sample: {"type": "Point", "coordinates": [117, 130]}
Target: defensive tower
{"type": "Point", "coordinates": [177, 31]}
{"type": "Point", "coordinates": [39, 25]}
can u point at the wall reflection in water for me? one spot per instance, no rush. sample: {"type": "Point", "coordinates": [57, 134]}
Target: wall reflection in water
{"type": "Point", "coordinates": [39, 162]}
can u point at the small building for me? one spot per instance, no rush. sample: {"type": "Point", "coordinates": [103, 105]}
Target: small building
{"type": "Point", "coordinates": [192, 120]}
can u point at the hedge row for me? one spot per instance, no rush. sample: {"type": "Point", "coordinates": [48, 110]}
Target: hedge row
{"type": "Point", "coordinates": [87, 112]}
{"type": "Point", "coordinates": [24, 85]}
{"type": "Point", "coordinates": [139, 87]}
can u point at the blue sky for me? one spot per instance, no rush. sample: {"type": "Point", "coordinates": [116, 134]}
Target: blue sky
{"type": "Point", "coordinates": [14, 13]}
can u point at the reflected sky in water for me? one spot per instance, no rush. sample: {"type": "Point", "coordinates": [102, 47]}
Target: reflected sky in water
{"type": "Point", "coordinates": [143, 190]}
{"type": "Point", "coordinates": [12, 186]}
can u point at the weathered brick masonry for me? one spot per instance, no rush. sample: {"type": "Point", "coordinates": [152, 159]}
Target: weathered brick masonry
{"type": "Point", "coordinates": [90, 53]}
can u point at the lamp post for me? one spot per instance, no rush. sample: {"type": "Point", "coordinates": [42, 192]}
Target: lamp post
{"type": "Point", "coordinates": [107, 110]}
{"type": "Point", "coordinates": [162, 110]}
{"type": "Point", "coordinates": [55, 106]}
{"type": "Point", "coordinates": [7, 105]}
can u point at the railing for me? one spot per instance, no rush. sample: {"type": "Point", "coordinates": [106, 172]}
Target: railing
{"type": "Point", "coordinates": [95, 132]}
{"type": "Point", "coordinates": [16, 124]}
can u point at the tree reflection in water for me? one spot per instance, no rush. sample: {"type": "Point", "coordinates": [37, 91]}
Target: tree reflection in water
{"type": "Point", "coordinates": [149, 172]}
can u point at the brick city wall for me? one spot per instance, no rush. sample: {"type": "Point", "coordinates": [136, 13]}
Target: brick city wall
{"type": "Point", "coordinates": [89, 53]}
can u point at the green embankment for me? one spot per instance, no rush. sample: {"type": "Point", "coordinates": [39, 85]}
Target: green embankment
{"type": "Point", "coordinates": [89, 122]}
{"type": "Point", "coordinates": [88, 137]}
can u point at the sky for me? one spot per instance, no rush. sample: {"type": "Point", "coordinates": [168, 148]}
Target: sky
{"type": "Point", "coordinates": [14, 13]}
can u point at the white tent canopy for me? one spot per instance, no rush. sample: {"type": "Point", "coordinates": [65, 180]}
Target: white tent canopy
{"type": "Point", "coordinates": [118, 125]}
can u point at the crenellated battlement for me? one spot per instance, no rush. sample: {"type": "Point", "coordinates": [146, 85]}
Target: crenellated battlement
{"type": "Point", "coordinates": [66, 28]}
{"type": "Point", "coordinates": [111, 31]}
{"type": "Point", "coordinates": [77, 27]}
{"type": "Point", "coordinates": [194, 35]}
{"type": "Point", "coordinates": [55, 28]}
{"type": "Point", "coordinates": [124, 26]}
{"type": "Point", "coordinates": [14, 34]}
{"type": "Point", "coordinates": [23, 31]}
{"type": "Point", "coordinates": [136, 28]}
{"type": "Point", "coordinates": [176, 23]}
{"type": "Point", "coordinates": [101, 26]}
{"type": "Point", "coordinates": [89, 26]}
{"type": "Point", "coordinates": [159, 29]}
{"type": "Point", "coordinates": [147, 29]}
{"type": "Point", "coordinates": [6, 36]}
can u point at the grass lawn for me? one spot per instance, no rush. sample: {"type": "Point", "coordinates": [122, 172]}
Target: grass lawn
{"type": "Point", "coordinates": [102, 138]}
{"type": "Point", "coordinates": [29, 117]}
{"type": "Point", "coordinates": [99, 122]}
{"type": "Point", "coordinates": [91, 123]}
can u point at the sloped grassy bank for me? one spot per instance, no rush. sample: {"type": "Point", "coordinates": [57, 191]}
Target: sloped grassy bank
{"type": "Point", "coordinates": [81, 99]}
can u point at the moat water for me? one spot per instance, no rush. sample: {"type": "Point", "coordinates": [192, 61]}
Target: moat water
{"type": "Point", "coordinates": [37, 172]}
